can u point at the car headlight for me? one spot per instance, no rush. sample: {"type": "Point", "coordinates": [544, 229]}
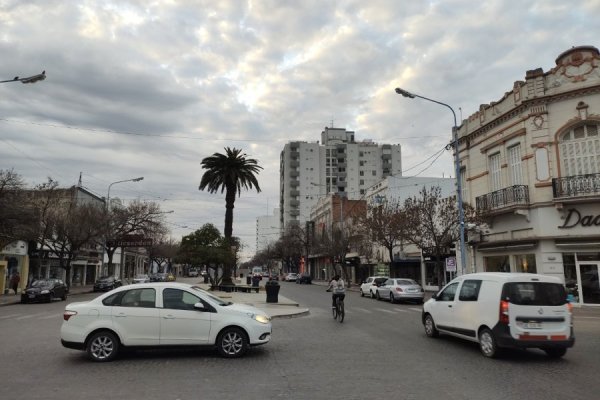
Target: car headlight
{"type": "Point", "coordinates": [44, 292]}
{"type": "Point", "coordinates": [263, 319]}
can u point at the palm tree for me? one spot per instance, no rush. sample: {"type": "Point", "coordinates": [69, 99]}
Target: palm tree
{"type": "Point", "coordinates": [229, 172]}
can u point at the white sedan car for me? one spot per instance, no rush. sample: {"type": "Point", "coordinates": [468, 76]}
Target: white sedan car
{"type": "Point", "coordinates": [398, 289]}
{"type": "Point", "coordinates": [162, 314]}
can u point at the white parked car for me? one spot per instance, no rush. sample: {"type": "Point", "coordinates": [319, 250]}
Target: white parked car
{"type": "Point", "coordinates": [370, 285]}
{"type": "Point", "coordinates": [162, 314]}
{"type": "Point", "coordinates": [500, 310]}
{"type": "Point", "coordinates": [400, 289]}
{"type": "Point", "coordinates": [291, 277]}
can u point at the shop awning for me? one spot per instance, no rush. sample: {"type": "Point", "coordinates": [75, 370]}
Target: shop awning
{"type": "Point", "coordinates": [507, 246]}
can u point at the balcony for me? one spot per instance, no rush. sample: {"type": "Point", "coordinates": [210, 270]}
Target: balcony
{"type": "Point", "coordinates": [511, 197]}
{"type": "Point", "coordinates": [576, 187]}
{"type": "Point", "coordinates": [294, 174]}
{"type": "Point", "coordinates": [294, 163]}
{"type": "Point", "coordinates": [294, 193]}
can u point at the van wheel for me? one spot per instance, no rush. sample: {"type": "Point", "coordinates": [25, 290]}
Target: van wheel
{"type": "Point", "coordinates": [555, 352]}
{"type": "Point", "coordinates": [487, 344]}
{"type": "Point", "coordinates": [102, 346]}
{"type": "Point", "coordinates": [232, 342]}
{"type": "Point", "coordinates": [430, 329]}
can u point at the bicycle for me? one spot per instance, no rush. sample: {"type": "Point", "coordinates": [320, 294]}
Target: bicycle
{"type": "Point", "coordinates": [338, 311]}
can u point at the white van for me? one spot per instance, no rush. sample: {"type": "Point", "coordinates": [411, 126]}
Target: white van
{"type": "Point", "coordinates": [502, 310]}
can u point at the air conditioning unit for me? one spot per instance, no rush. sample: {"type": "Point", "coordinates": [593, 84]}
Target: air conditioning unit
{"type": "Point", "coordinates": [473, 237]}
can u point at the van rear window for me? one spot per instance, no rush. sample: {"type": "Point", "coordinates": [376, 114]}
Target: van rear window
{"type": "Point", "coordinates": [535, 293]}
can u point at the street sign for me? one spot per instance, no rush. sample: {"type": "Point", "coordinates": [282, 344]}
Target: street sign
{"type": "Point", "coordinates": [451, 264]}
{"type": "Point", "coordinates": [137, 241]}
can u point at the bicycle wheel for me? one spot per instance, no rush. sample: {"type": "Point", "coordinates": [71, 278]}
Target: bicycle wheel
{"type": "Point", "coordinates": [334, 310]}
{"type": "Point", "coordinates": [341, 312]}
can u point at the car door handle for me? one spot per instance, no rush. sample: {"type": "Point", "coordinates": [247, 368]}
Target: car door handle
{"type": "Point", "coordinates": [169, 316]}
{"type": "Point", "coordinates": [121, 315]}
{"type": "Point", "coordinates": [449, 305]}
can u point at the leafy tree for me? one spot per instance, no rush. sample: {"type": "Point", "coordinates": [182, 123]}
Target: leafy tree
{"type": "Point", "coordinates": [206, 247]}
{"type": "Point", "coordinates": [163, 252]}
{"type": "Point", "coordinates": [229, 173]}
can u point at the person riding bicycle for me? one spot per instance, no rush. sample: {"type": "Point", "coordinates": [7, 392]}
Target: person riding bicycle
{"type": "Point", "coordinates": [338, 289]}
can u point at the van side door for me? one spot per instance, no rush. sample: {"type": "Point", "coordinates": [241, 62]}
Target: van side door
{"type": "Point", "coordinates": [442, 310]}
{"type": "Point", "coordinates": [466, 315]}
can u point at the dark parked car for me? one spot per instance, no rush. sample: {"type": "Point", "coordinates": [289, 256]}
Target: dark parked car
{"type": "Point", "coordinates": [106, 283]}
{"type": "Point", "coordinates": [45, 290]}
{"type": "Point", "coordinates": [304, 278]}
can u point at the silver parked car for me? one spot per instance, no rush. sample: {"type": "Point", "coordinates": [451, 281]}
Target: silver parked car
{"type": "Point", "coordinates": [397, 289]}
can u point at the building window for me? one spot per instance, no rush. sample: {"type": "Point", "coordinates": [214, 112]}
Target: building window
{"type": "Point", "coordinates": [496, 264]}
{"type": "Point", "coordinates": [374, 173]}
{"type": "Point", "coordinates": [514, 165]}
{"type": "Point", "coordinates": [361, 173]}
{"type": "Point", "coordinates": [525, 263]}
{"type": "Point", "coordinates": [580, 150]}
{"type": "Point", "coordinates": [495, 172]}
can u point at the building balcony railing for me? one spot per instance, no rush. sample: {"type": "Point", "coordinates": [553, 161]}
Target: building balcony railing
{"type": "Point", "coordinates": [511, 196]}
{"type": "Point", "coordinates": [570, 187]}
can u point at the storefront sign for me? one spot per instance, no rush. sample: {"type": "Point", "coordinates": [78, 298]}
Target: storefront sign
{"type": "Point", "coordinates": [575, 218]}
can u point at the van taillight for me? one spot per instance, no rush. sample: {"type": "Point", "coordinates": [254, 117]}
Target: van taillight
{"type": "Point", "coordinates": [504, 312]}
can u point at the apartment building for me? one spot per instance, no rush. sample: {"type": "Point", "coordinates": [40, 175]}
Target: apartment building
{"type": "Point", "coordinates": [530, 163]}
{"type": "Point", "coordinates": [337, 164]}
{"type": "Point", "coordinates": [267, 230]}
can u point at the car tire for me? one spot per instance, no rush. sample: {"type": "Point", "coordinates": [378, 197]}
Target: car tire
{"type": "Point", "coordinates": [392, 299]}
{"type": "Point", "coordinates": [50, 297]}
{"type": "Point", "coordinates": [362, 294]}
{"type": "Point", "coordinates": [487, 344]}
{"type": "Point", "coordinates": [377, 295]}
{"type": "Point", "coordinates": [556, 352]}
{"type": "Point", "coordinates": [64, 296]}
{"type": "Point", "coordinates": [232, 343]}
{"type": "Point", "coordinates": [102, 346]}
{"type": "Point", "coordinates": [372, 294]}
{"type": "Point", "coordinates": [430, 329]}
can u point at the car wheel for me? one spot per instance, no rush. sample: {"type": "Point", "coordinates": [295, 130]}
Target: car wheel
{"type": "Point", "coordinates": [556, 352]}
{"type": "Point", "coordinates": [103, 346]}
{"type": "Point", "coordinates": [362, 294]}
{"type": "Point", "coordinates": [430, 329]}
{"type": "Point", "coordinates": [487, 344]}
{"type": "Point", "coordinates": [377, 295]}
{"type": "Point", "coordinates": [50, 297]}
{"type": "Point", "coordinates": [372, 294]}
{"type": "Point", "coordinates": [232, 342]}
{"type": "Point", "coordinates": [392, 300]}
{"type": "Point", "coordinates": [64, 296]}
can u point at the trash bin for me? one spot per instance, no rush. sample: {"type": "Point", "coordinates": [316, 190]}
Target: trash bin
{"type": "Point", "coordinates": [206, 278]}
{"type": "Point", "coordinates": [256, 282]}
{"type": "Point", "coordinates": [272, 289]}
{"type": "Point", "coordinates": [248, 280]}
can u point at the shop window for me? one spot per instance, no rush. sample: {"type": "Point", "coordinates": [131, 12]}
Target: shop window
{"type": "Point", "coordinates": [496, 264]}
{"type": "Point", "coordinates": [525, 263]}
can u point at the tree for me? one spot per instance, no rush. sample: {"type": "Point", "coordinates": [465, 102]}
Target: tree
{"type": "Point", "coordinates": [432, 223]}
{"type": "Point", "coordinates": [229, 173]}
{"type": "Point", "coordinates": [18, 219]}
{"type": "Point", "coordinates": [162, 253]}
{"type": "Point", "coordinates": [386, 226]}
{"type": "Point", "coordinates": [205, 247]}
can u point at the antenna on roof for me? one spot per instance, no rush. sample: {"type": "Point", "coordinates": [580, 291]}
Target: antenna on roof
{"type": "Point", "coordinates": [79, 183]}
{"type": "Point", "coordinates": [332, 122]}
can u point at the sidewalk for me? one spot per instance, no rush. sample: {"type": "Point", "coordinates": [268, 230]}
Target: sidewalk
{"type": "Point", "coordinates": [282, 309]}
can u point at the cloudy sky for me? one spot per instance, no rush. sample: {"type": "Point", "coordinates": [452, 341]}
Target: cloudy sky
{"type": "Point", "coordinates": [150, 88]}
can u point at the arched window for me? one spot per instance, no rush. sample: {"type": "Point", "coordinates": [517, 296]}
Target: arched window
{"type": "Point", "coordinates": [580, 149]}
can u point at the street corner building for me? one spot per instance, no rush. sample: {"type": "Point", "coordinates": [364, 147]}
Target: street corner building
{"type": "Point", "coordinates": [530, 165]}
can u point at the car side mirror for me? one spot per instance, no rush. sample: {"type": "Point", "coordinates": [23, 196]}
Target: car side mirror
{"type": "Point", "coordinates": [434, 296]}
{"type": "Point", "coordinates": [199, 307]}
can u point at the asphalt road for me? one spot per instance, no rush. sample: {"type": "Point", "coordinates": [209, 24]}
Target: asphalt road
{"type": "Point", "coordinates": [380, 351]}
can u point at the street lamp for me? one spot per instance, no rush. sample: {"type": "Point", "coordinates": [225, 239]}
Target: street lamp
{"type": "Point", "coordinates": [109, 186]}
{"type": "Point", "coordinates": [29, 79]}
{"type": "Point", "coordinates": [461, 214]}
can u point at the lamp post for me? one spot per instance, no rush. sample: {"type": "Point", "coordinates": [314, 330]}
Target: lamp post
{"type": "Point", "coordinates": [109, 186]}
{"type": "Point", "coordinates": [108, 221]}
{"type": "Point", "coordinates": [29, 79]}
{"type": "Point", "coordinates": [461, 214]}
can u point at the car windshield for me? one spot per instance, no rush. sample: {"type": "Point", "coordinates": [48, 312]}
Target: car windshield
{"type": "Point", "coordinates": [216, 299]}
{"type": "Point", "coordinates": [378, 281]}
{"type": "Point", "coordinates": [406, 282]}
{"type": "Point", "coordinates": [42, 282]}
{"type": "Point", "coordinates": [105, 278]}
{"type": "Point", "coordinates": [535, 293]}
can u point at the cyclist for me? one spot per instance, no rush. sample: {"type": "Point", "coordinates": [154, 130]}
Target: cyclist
{"type": "Point", "coordinates": [338, 289]}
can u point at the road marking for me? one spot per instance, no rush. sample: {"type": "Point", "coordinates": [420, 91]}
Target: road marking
{"type": "Point", "coordinates": [30, 316]}
{"type": "Point", "coordinates": [363, 310]}
{"type": "Point", "coordinates": [52, 316]}
{"type": "Point", "coordinates": [9, 316]}
{"type": "Point", "coordinates": [384, 310]}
